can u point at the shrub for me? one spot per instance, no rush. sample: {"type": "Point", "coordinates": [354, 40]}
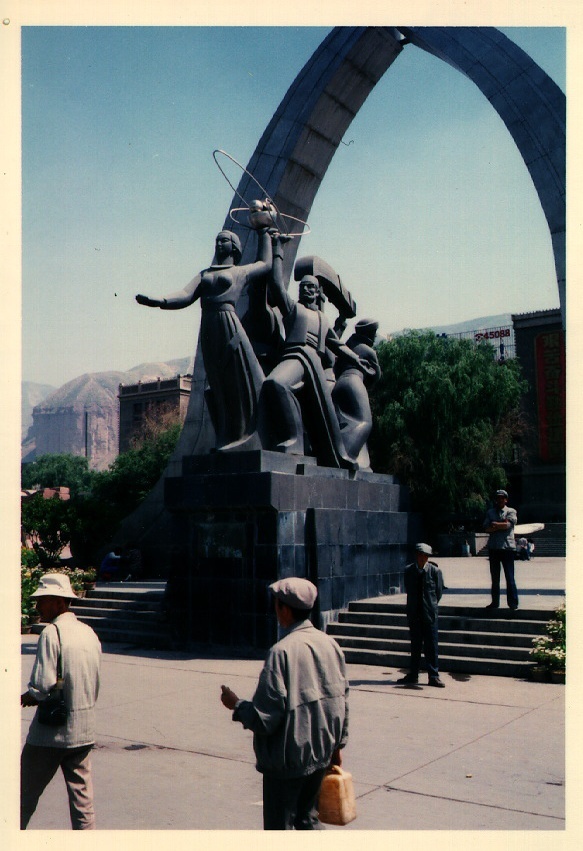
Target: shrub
{"type": "Point", "coordinates": [550, 650]}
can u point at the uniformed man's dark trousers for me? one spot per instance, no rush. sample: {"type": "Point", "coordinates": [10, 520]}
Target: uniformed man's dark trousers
{"type": "Point", "coordinates": [423, 637]}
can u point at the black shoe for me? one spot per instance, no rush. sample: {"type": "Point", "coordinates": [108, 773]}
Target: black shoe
{"type": "Point", "coordinates": [492, 606]}
{"type": "Point", "coordinates": [513, 608]}
{"type": "Point", "coordinates": [408, 680]}
{"type": "Point", "coordinates": [435, 681]}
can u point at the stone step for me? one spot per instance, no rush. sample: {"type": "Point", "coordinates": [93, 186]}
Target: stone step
{"type": "Point", "coordinates": [159, 638]}
{"type": "Point", "coordinates": [501, 614]}
{"type": "Point", "coordinates": [478, 641]}
{"type": "Point", "coordinates": [150, 591]}
{"type": "Point", "coordinates": [447, 650]}
{"type": "Point", "coordinates": [451, 622]}
{"type": "Point", "coordinates": [117, 614]}
{"type": "Point", "coordinates": [126, 612]}
{"type": "Point", "coordinates": [467, 665]}
{"type": "Point", "coordinates": [127, 605]}
{"type": "Point", "coordinates": [399, 632]}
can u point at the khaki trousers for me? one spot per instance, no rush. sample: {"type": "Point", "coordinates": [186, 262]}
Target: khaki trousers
{"type": "Point", "coordinates": [38, 766]}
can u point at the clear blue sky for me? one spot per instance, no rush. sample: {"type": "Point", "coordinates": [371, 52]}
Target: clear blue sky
{"type": "Point", "coordinates": [428, 215]}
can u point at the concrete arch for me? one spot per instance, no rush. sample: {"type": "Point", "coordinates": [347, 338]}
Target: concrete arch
{"type": "Point", "coordinates": [297, 146]}
{"type": "Point", "coordinates": [299, 142]}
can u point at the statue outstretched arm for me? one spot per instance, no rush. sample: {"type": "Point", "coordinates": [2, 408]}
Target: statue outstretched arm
{"type": "Point", "coordinates": [174, 301]}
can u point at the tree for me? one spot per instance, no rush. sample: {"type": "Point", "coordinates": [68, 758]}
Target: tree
{"type": "Point", "coordinates": [133, 474]}
{"type": "Point", "coordinates": [445, 413]}
{"type": "Point", "coordinates": [53, 471]}
{"type": "Point", "coordinates": [46, 523]}
{"type": "Point", "coordinates": [117, 491]}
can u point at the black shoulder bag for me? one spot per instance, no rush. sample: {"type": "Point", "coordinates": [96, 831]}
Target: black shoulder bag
{"type": "Point", "coordinates": [52, 712]}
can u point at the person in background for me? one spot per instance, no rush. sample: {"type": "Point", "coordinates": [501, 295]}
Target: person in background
{"type": "Point", "coordinates": [499, 523]}
{"type": "Point", "coordinates": [424, 587]}
{"type": "Point", "coordinates": [522, 550]}
{"type": "Point", "coordinates": [111, 566]}
{"type": "Point", "coordinates": [299, 713]}
{"type": "Point", "coordinates": [69, 746]}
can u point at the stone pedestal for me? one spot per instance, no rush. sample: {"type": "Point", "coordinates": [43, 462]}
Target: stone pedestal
{"type": "Point", "coordinates": [245, 519]}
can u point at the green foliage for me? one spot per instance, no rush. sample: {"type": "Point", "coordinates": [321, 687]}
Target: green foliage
{"type": "Point", "coordinates": [46, 523]}
{"type": "Point", "coordinates": [99, 500]}
{"type": "Point", "coordinates": [53, 471]}
{"type": "Point", "coordinates": [133, 474]}
{"type": "Point", "coordinates": [445, 411]}
{"type": "Point", "coordinates": [94, 517]}
{"type": "Point", "coordinates": [29, 579]}
{"type": "Point", "coordinates": [550, 650]}
{"type": "Point", "coordinates": [28, 558]}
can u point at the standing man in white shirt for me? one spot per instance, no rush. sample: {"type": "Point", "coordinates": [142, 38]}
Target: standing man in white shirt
{"type": "Point", "coordinates": [69, 745]}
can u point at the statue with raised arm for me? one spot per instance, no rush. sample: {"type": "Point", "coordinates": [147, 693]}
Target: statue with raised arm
{"type": "Point", "coordinates": [350, 393]}
{"type": "Point", "coordinates": [233, 372]}
{"type": "Point", "coordinates": [296, 397]}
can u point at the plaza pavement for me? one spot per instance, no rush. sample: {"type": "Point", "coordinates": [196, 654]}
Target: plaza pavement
{"type": "Point", "coordinates": [485, 753]}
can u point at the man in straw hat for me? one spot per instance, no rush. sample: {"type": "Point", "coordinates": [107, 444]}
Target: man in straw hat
{"type": "Point", "coordinates": [424, 587]}
{"type": "Point", "coordinates": [68, 746]}
{"type": "Point", "coordinates": [299, 713]}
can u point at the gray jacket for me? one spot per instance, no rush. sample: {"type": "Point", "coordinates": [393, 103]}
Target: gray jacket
{"type": "Point", "coordinates": [299, 713]}
{"type": "Point", "coordinates": [432, 589]}
{"type": "Point", "coordinates": [501, 540]}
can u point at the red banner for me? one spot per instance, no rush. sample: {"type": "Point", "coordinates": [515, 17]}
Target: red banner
{"type": "Point", "coordinates": [551, 391]}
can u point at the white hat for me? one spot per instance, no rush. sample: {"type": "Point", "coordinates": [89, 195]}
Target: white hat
{"type": "Point", "coordinates": [55, 585]}
{"type": "Point", "coordinates": [295, 592]}
{"type": "Point", "coordinates": [424, 548]}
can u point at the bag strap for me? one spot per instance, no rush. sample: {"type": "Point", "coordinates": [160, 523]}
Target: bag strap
{"type": "Point", "coordinates": [59, 659]}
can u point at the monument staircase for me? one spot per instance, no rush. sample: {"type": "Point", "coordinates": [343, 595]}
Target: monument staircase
{"type": "Point", "coordinates": [126, 612]}
{"type": "Point", "coordinates": [371, 632]}
{"type": "Point", "coordinates": [471, 641]}
{"type": "Point", "coordinates": [549, 542]}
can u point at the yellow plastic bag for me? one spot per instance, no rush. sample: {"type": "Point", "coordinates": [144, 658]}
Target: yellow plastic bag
{"type": "Point", "coordinates": [337, 804]}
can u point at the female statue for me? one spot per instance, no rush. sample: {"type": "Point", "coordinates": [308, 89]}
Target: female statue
{"type": "Point", "coordinates": [232, 369]}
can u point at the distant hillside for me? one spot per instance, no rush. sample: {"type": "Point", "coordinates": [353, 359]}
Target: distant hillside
{"type": "Point", "coordinates": [479, 324]}
{"type": "Point", "coordinates": [32, 394]}
{"type": "Point", "coordinates": [81, 417]}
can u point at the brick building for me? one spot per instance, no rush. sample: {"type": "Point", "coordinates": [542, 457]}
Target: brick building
{"type": "Point", "coordinates": [538, 481]}
{"type": "Point", "coordinates": [138, 400]}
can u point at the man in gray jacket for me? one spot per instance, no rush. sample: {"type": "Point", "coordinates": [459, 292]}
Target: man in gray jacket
{"type": "Point", "coordinates": [424, 587]}
{"type": "Point", "coordinates": [299, 713]}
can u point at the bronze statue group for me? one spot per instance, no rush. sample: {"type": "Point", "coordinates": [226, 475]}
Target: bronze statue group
{"type": "Point", "coordinates": [280, 378]}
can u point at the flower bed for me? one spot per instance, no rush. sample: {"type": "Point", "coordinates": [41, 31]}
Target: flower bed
{"type": "Point", "coordinates": [30, 574]}
{"type": "Point", "coordinates": [550, 651]}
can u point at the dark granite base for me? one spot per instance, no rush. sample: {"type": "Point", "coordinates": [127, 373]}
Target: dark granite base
{"type": "Point", "coordinates": [243, 520]}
